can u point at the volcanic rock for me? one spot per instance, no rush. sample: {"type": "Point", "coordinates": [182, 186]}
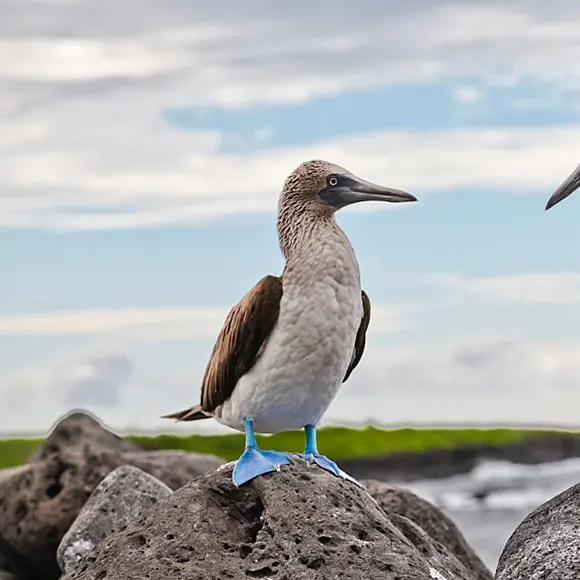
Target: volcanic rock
{"type": "Point", "coordinates": [298, 523]}
{"type": "Point", "coordinates": [126, 493]}
{"type": "Point", "coordinates": [546, 545]}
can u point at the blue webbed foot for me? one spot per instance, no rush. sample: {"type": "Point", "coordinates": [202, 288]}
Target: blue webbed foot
{"type": "Point", "coordinates": [311, 455]}
{"type": "Point", "coordinates": [329, 465]}
{"type": "Point", "coordinates": [254, 462]}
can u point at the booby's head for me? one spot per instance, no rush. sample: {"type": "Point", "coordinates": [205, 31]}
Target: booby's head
{"type": "Point", "coordinates": [319, 184]}
{"type": "Point", "coordinates": [566, 188]}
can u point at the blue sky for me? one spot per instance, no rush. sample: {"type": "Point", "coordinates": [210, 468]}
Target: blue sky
{"type": "Point", "coordinates": [139, 177]}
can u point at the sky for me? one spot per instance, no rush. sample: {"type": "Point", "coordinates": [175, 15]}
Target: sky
{"type": "Point", "coordinates": [143, 146]}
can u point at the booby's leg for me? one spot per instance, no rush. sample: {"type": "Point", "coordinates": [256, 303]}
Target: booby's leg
{"type": "Point", "coordinates": [254, 461]}
{"type": "Point", "coordinates": [311, 455]}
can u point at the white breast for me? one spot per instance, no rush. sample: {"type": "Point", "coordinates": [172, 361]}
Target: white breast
{"type": "Point", "coordinates": [308, 353]}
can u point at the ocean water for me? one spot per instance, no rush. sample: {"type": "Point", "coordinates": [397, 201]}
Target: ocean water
{"type": "Point", "coordinates": [489, 502]}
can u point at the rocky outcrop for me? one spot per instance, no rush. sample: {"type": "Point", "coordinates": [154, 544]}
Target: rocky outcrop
{"type": "Point", "coordinates": [78, 428]}
{"type": "Point", "coordinates": [4, 564]}
{"type": "Point", "coordinates": [399, 501]}
{"type": "Point", "coordinates": [5, 551]}
{"type": "Point", "coordinates": [301, 522]}
{"type": "Point", "coordinates": [125, 494]}
{"type": "Point", "coordinates": [109, 510]}
{"type": "Point", "coordinates": [39, 504]}
{"type": "Point", "coordinates": [10, 471]}
{"type": "Point", "coordinates": [546, 545]}
{"type": "Point", "coordinates": [174, 468]}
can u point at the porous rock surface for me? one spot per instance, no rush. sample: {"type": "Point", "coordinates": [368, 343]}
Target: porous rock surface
{"type": "Point", "coordinates": [546, 545]}
{"type": "Point", "coordinates": [174, 468]}
{"type": "Point", "coordinates": [39, 504]}
{"type": "Point", "coordinates": [4, 565]}
{"type": "Point", "coordinates": [125, 494]}
{"type": "Point", "coordinates": [79, 427]}
{"type": "Point", "coordinates": [10, 471]}
{"type": "Point", "coordinates": [298, 523]}
{"type": "Point", "coordinates": [400, 501]}
{"type": "Point", "coordinates": [4, 549]}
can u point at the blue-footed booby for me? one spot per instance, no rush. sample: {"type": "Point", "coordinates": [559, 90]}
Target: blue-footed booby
{"type": "Point", "coordinates": [566, 188]}
{"type": "Point", "coordinates": [287, 346]}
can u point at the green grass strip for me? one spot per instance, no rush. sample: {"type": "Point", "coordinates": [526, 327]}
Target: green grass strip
{"type": "Point", "coordinates": [336, 442]}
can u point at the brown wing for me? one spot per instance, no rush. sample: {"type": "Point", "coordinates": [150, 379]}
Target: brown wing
{"type": "Point", "coordinates": [360, 341]}
{"type": "Point", "coordinates": [241, 341]}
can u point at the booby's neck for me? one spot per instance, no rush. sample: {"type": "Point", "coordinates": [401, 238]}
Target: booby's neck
{"type": "Point", "coordinates": [301, 225]}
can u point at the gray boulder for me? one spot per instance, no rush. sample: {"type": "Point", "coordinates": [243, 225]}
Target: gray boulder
{"type": "Point", "coordinates": [5, 566]}
{"type": "Point", "coordinates": [400, 501]}
{"type": "Point", "coordinates": [8, 472]}
{"type": "Point", "coordinates": [5, 551]}
{"type": "Point", "coordinates": [546, 545]}
{"type": "Point", "coordinates": [175, 468]}
{"type": "Point", "coordinates": [126, 493]}
{"type": "Point", "coordinates": [38, 504]}
{"type": "Point", "coordinates": [298, 523]}
{"type": "Point", "coordinates": [79, 428]}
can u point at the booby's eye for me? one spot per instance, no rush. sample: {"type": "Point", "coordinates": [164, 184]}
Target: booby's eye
{"type": "Point", "coordinates": [332, 181]}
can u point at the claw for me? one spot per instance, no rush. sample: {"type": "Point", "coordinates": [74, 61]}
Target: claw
{"type": "Point", "coordinates": [311, 455]}
{"type": "Point", "coordinates": [329, 465]}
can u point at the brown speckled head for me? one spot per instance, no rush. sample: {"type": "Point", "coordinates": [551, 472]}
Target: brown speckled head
{"type": "Point", "coordinates": [317, 182]}
{"type": "Point", "coordinates": [307, 180]}
{"type": "Point", "coordinates": [316, 189]}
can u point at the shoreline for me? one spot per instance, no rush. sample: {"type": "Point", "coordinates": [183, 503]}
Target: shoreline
{"type": "Point", "coordinates": [442, 463]}
{"type": "Point", "coordinates": [452, 452]}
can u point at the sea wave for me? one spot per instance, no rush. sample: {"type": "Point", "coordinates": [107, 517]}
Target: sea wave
{"type": "Point", "coordinates": [500, 485]}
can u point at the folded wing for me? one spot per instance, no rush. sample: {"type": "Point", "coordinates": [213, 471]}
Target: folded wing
{"type": "Point", "coordinates": [360, 340]}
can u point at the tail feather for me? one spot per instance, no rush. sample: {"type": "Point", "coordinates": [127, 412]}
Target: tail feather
{"type": "Point", "coordinates": [191, 414]}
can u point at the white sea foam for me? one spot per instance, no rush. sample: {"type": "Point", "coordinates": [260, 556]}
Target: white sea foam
{"type": "Point", "coordinates": [500, 485]}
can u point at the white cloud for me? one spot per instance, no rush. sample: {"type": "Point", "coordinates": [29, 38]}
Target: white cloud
{"type": "Point", "coordinates": [84, 146]}
{"type": "Point", "coordinates": [467, 94]}
{"type": "Point", "coordinates": [501, 380]}
{"type": "Point", "coordinates": [136, 323]}
{"type": "Point", "coordinates": [160, 323]}
{"type": "Point", "coordinates": [524, 288]}
{"type": "Point", "coordinates": [390, 318]}
{"type": "Point", "coordinates": [94, 378]}
{"type": "Point", "coordinates": [74, 381]}
{"type": "Point", "coordinates": [133, 181]}
{"type": "Point", "coordinates": [242, 54]}
{"type": "Point", "coordinates": [493, 380]}
{"type": "Point", "coordinates": [74, 59]}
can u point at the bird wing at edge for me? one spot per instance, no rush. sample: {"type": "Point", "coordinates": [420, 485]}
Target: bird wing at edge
{"type": "Point", "coordinates": [360, 341]}
{"type": "Point", "coordinates": [238, 346]}
{"type": "Point", "coordinates": [241, 341]}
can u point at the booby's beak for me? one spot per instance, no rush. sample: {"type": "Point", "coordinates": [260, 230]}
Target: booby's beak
{"type": "Point", "coordinates": [566, 188]}
{"type": "Point", "coordinates": [349, 189]}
